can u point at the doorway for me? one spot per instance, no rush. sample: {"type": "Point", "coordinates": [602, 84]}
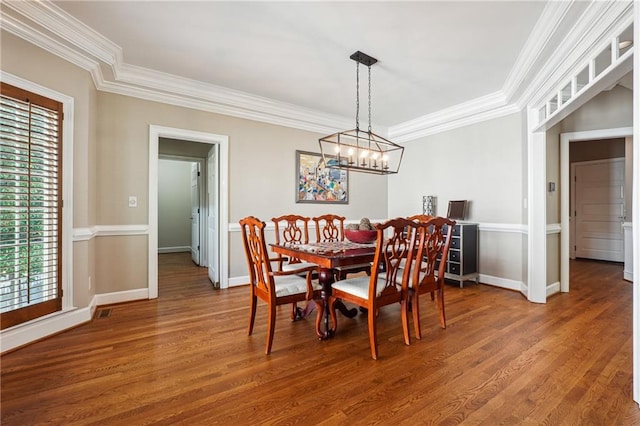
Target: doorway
{"type": "Point", "coordinates": [182, 209]}
{"type": "Point", "coordinates": [565, 209]}
{"type": "Point", "coordinates": [598, 209]}
{"type": "Point", "coordinates": [218, 221]}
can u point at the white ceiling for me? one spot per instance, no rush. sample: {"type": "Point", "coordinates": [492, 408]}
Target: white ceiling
{"type": "Point", "coordinates": [432, 55]}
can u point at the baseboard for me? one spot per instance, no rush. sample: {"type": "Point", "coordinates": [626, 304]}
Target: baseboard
{"type": "Point", "coordinates": [121, 296]}
{"type": "Point", "coordinates": [553, 288]}
{"type": "Point", "coordinates": [238, 281]}
{"type": "Point", "coordinates": [173, 249]}
{"type": "Point", "coordinates": [40, 328]}
{"type": "Point", "coordinates": [501, 282]}
{"type": "Point", "coordinates": [627, 275]}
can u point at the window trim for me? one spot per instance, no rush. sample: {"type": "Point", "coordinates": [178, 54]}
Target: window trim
{"type": "Point", "coordinates": [67, 182]}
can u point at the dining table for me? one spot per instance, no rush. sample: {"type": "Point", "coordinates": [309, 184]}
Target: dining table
{"type": "Point", "coordinates": [330, 256]}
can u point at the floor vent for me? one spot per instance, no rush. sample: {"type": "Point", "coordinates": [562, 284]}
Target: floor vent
{"type": "Point", "coordinates": [103, 313]}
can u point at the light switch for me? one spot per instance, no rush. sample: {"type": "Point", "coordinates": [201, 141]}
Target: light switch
{"type": "Point", "coordinates": [133, 201]}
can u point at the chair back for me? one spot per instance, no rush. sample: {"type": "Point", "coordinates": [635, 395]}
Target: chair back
{"type": "Point", "coordinates": [255, 249]}
{"type": "Point", "coordinates": [291, 229]}
{"type": "Point", "coordinates": [329, 227]}
{"type": "Point", "coordinates": [395, 248]}
{"type": "Point", "coordinates": [420, 217]}
{"type": "Point", "coordinates": [433, 248]}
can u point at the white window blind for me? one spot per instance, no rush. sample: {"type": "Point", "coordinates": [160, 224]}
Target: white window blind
{"type": "Point", "coordinates": [30, 206]}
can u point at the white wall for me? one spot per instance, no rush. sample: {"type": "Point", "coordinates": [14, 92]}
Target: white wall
{"type": "Point", "coordinates": [174, 206]}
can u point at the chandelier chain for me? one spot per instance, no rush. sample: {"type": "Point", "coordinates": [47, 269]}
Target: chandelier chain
{"type": "Point", "coordinates": [357, 95]}
{"type": "Point", "coordinates": [369, 98]}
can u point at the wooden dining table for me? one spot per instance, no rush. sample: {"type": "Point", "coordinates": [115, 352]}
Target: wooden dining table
{"type": "Point", "coordinates": [329, 256]}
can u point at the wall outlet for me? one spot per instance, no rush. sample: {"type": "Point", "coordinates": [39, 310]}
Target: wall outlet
{"type": "Point", "coordinates": [133, 201]}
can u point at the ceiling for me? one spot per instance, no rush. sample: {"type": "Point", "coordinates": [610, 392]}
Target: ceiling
{"type": "Point", "coordinates": [442, 64]}
{"type": "Point", "coordinates": [432, 55]}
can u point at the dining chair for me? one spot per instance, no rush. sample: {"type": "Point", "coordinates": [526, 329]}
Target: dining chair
{"type": "Point", "coordinates": [273, 287]}
{"type": "Point", "coordinates": [422, 218]}
{"type": "Point", "coordinates": [429, 268]}
{"type": "Point", "coordinates": [291, 229]}
{"type": "Point", "coordinates": [330, 227]}
{"type": "Point", "coordinates": [395, 243]}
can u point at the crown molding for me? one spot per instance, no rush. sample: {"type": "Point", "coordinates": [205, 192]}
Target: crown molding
{"type": "Point", "coordinates": [46, 25]}
{"type": "Point", "coordinates": [544, 29]}
{"type": "Point", "coordinates": [591, 33]}
{"type": "Point", "coordinates": [480, 109]}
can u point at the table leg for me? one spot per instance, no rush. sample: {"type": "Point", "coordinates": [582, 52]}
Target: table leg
{"type": "Point", "coordinates": [325, 278]}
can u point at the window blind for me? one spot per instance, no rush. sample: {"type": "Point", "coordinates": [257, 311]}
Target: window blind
{"type": "Point", "coordinates": [30, 206]}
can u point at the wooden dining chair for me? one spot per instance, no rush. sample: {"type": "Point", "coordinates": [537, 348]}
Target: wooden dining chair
{"type": "Point", "coordinates": [291, 229]}
{"type": "Point", "coordinates": [429, 268]}
{"type": "Point", "coordinates": [330, 227]}
{"type": "Point", "coordinates": [423, 218]}
{"type": "Point", "coordinates": [273, 287]}
{"type": "Point", "coordinates": [395, 244]}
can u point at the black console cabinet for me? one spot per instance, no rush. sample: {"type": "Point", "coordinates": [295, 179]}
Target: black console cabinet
{"type": "Point", "coordinates": [462, 264]}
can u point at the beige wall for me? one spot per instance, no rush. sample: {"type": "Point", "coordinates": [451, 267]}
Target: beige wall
{"type": "Point", "coordinates": [484, 163]}
{"type": "Point", "coordinates": [481, 163]}
{"type": "Point", "coordinates": [174, 204]}
{"type": "Point", "coordinates": [609, 109]}
{"type": "Point", "coordinates": [262, 178]}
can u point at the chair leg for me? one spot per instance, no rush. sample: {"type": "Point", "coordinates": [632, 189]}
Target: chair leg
{"type": "Point", "coordinates": [404, 309]}
{"type": "Point", "coordinates": [252, 313]}
{"type": "Point", "coordinates": [415, 307]}
{"type": "Point", "coordinates": [372, 314]}
{"type": "Point", "coordinates": [270, 327]}
{"type": "Point", "coordinates": [440, 303]}
{"type": "Point", "coordinates": [432, 295]}
{"type": "Point", "coordinates": [296, 313]}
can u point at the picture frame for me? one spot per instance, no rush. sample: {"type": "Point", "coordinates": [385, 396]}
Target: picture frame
{"type": "Point", "coordinates": [316, 183]}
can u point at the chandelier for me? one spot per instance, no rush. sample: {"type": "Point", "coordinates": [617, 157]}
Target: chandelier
{"type": "Point", "coordinates": [357, 149]}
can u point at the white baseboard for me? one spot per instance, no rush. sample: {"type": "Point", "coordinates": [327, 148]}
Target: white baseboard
{"type": "Point", "coordinates": [238, 281]}
{"type": "Point", "coordinates": [501, 282]}
{"type": "Point", "coordinates": [173, 249]}
{"type": "Point", "coordinates": [46, 326]}
{"type": "Point", "coordinates": [553, 288]}
{"type": "Point", "coordinates": [627, 275]}
{"type": "Point", "coordinates": [121, 296]}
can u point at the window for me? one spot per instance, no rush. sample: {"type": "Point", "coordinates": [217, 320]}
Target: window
{"type": "Point", "coordinates": [30, 206]}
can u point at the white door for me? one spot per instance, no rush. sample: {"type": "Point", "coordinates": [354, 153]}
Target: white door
{"type": "Point", "coordinates": [213, 206]}
{"type": "Point", "coordinates": [599, 209]}
{"type": "Point", "coordinates": [195, 213]}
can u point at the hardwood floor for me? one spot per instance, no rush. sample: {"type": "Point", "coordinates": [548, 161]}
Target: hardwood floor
{"type": "Point", "coordinates": [185, 358]}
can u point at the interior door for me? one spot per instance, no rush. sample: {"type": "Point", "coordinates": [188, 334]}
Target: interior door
{"type": "Point", "coordinates": [195, 213]}
{"type": "Point", "coordinates": [213, 205]}
{"type": "Point", "coordinates": [599, 209]}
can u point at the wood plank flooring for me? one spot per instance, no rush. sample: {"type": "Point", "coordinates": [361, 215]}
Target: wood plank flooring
{"type": "Point", "coordinates": [185, 358]}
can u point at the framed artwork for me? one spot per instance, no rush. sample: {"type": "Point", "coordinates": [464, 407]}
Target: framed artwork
{"type": "Point", "coordinates": [317, 183]}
